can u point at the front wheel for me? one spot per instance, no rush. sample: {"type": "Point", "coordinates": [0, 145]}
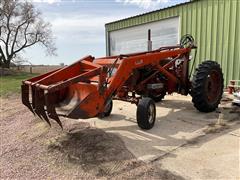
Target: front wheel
{"type": "Point", "coordinates": [107, 110]}
{"type": "Point", "coordinates": [207, 86]}
{"type": "Point", "coordinates": [146, 113]}
{"type": "Point", "coordinates": [157, 97]}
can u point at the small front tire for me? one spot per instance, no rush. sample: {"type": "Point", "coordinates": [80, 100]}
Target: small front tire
{"type": "Point", "coordinates": [146, 113]}
{"type": "Point", "coordinates": [107, 111]}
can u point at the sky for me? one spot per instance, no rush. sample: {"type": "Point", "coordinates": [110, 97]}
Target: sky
{"type": "Point", "coordinates": [78, 25]}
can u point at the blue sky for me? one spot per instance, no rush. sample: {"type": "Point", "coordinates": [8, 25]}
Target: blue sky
{"type": "Point", "coordinates": [78, 25]}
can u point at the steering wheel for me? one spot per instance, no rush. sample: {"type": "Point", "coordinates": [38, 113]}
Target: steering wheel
{"type": "Point", "coordinates": [187, 41]}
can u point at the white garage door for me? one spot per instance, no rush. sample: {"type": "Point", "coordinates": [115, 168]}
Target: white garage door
{"type": "Point", "coordinates": [134, 39]}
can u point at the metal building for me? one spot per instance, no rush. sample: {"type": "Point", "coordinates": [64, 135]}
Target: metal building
{"type": "Point", "coordinates": [215, 25]}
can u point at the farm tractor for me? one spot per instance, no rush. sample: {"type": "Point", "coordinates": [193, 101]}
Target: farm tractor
{"type": "Point", "coordinates": [87, 88]}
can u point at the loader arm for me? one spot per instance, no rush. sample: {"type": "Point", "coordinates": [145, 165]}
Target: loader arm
{"type": "Point", "coordinates": [128, 64]}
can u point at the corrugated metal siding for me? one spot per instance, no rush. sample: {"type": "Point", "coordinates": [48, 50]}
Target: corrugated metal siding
{"type": "Point", "coordinates": [214, 25]}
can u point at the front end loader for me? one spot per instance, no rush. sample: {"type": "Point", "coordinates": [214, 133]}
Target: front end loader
{"type": "Point", "coordinates": [86, 88]}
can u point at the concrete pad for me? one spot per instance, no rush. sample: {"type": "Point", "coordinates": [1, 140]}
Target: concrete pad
{"type": "Point", "coordinates": [214, 158]}
{"type": "Point", "coordinates": [177, 122]}
{"type": "Point", "coordinates": [235, 133]}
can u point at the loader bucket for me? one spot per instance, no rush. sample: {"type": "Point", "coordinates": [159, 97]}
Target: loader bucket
{"type": "Point", "coordinates": [66, 92]}
{"type": "Point", "coordinates": [82, 101]}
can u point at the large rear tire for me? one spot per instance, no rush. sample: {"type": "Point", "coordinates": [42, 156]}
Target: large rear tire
{"type": "Point", "coordinates": [207, 86]}
{"type": "Point", "coordinates": [146, 113]}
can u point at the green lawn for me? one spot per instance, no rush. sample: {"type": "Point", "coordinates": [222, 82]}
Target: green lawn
{"type": "Point", "coordinates": [11, 84]}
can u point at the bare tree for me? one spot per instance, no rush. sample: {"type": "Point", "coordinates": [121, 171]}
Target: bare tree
{"type": "Point", "coordinates": [21, 26]}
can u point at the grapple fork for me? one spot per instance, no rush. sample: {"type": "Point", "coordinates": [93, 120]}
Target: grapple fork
{"type": "Point", "coordinates": [25, 97]}
{"type": "Point", "coordinates": [50, 107]}
{"type": "Point", "coordinates": [52, 89]}
{"type": "Point", "coordinates": [40, 104]}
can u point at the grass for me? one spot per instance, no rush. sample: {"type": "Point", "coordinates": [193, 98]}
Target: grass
{"type": "Point", "coordinates": [11, 84]}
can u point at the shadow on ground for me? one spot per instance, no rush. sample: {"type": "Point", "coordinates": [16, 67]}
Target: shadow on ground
{"type": "Point", "coordinates": [104, 155]}
{"type": "Point", "coordinates": [96, 151]}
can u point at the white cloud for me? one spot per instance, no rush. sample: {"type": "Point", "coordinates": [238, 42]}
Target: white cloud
{"type": "Point", "coordinates": [86, 28]}
{"type": "Point", "coordinates": [146, 4]}
{"type": "Point", "coordinates": [47, 1]}
{"type": "Point", "coordinates": [83, 21]}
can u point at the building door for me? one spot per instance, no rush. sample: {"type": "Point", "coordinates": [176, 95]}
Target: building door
{"type": "Point", "coordinates": [135, 39]}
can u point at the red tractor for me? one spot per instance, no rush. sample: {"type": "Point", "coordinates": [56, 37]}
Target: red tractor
{"type": "Point", "coordinates": [86, 88]}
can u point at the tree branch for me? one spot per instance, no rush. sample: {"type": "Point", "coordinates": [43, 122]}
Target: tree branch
{"type": "Point", "coordinates": [2, 54]}
{"type": "Point", "coordinates": [3, 41]}
{"type": "Point", "coordinates": [26, 41]}
{"type": "Point", "coordinates": [27, 45]}
{"type": "Point", "coordinates": [16, 33]}
{"type": "Point", "coordinates": [9, 32]}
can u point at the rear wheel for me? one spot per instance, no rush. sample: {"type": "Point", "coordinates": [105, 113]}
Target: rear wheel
{"type": "Point", "coordinates": [146, 113]}
{"type": "Point", "coordinates": [207, 86]}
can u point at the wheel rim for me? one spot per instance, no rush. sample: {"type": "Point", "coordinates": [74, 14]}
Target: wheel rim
{"type": "Point", "coordinates": [213, 86]}
{"type": "Point", "coordinates": [151, 113]}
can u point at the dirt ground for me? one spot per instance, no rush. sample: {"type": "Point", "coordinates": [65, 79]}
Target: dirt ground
{"type": "Point", "coordinates": [32, 150]}
{"type": "Point", "coordinates": [110, 148]}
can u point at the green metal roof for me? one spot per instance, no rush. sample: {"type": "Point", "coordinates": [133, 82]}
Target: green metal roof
{"type": "Point", "coordinates": [147, 13]}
